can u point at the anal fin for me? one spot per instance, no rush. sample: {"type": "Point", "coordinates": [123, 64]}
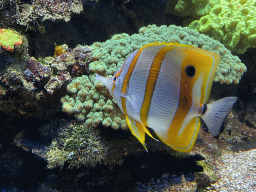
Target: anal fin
{"type": "Point", "coordinates": [138, 130]}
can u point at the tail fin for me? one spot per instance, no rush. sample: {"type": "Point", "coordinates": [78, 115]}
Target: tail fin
{"type": "Point", "coordinates": [216, 112]}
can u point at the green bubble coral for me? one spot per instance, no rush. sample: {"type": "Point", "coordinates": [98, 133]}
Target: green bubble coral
{"type": "Point", "coordinates": [89, 101]}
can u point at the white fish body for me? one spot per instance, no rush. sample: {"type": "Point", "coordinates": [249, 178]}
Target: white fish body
{"type": "Point", "coordinates": [165, 86]}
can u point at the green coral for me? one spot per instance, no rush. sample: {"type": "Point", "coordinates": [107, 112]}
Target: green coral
{"type": "Point", "coordinates": [79, 145]}
{"type": "Point", "coordinates": [10, 40]}
{"type": "Point", "coordinates": [90, 101]}
{"type": "Point", "coordinates": [196, 8]}
{"type": "Point", "coordinates": [202, 7]}
{"type": "Point", "coordinates": [232, 23]}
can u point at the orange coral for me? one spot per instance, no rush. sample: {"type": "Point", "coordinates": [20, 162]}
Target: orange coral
{"type": "Point", "coordinates": [59, 50]}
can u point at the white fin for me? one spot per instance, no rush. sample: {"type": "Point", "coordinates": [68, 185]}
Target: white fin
{"type": "Point", "coordinates": [216, 112]}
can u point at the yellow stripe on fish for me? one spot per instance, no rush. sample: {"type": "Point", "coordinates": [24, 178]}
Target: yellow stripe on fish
{"type": "Point", "coordinates": [164, 86]}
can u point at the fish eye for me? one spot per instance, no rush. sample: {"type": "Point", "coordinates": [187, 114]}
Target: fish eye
{"type": "Point", "coordinates": [190, 70]}
{"type": "Point", "coordinates": [115, 78]}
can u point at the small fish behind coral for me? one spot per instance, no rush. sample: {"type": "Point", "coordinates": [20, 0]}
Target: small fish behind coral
{"type": "Point", "coordinates": [165, 86]}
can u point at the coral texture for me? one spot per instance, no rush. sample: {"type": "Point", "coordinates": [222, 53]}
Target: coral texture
{"type": "Point", "coordinates": [41, 10]}
{"type": "Point", "coordinates": [10, 40]}
{"type": "Point", "coordinates": [78, 145]}
{"type": "Point", "coordinates": [195, 8]}
{"type": "Point", "coordinates": [30, 87]}
{"type": "Point", "coordinates": [91, 102]}
{"type": "Point", "coordinates": [232, 23]}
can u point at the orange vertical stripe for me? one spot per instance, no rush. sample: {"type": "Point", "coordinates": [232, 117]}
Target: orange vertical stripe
{"type": "Point", "coordinates": [151, 82]}
{"type": "Point", "coordinates": [127, 77]}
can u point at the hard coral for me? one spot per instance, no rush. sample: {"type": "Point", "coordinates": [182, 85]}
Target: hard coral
{"type": "Point", "coordinates": [59, 50]}
{"type": "Point", "coordinates": [90, 102]}
{"type": "Point", "coordinates": [31, 87]}
{"type": "Point", "coordinates": [36, 71]}
{"type": "Point", "coordinates": [42, 10]}
{"type": "Point", "coordinates": [196, 8]}
{"type": "Point", "coordinates": [10, 40]}
{"type": "Point", "coordinates": [232, 23]}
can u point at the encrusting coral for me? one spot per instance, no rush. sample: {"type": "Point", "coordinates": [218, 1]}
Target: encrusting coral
{"type": "Point", "coordinates": [11, 41]}
{"type": "Point", "coordinates": [230, 22]}
{"type": "Point", "coordinates": [91, 102]}
{"type": "Point", "coordinates": [41, 10]}
{"type": "Point", "coordinates": [13, 49]}
{"type": "Point", "coordinates": [31, 87]}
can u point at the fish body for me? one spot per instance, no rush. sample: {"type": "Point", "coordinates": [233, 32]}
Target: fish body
{"type": "Point", "coordinates": [165, 86]}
